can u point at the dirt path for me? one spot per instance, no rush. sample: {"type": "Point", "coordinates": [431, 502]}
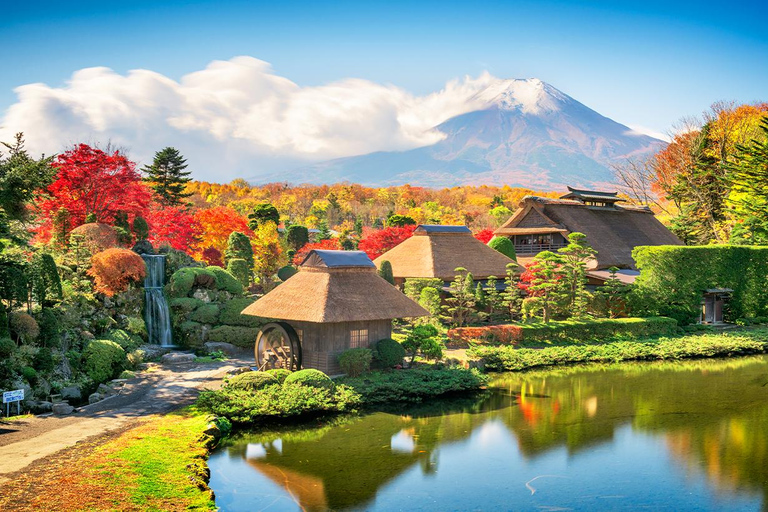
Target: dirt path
{"type": "Point", "coordinates": [25, 441]}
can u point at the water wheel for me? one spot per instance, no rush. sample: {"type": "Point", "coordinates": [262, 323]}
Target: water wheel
{"type": "Point", "coordinates": [278, 346]}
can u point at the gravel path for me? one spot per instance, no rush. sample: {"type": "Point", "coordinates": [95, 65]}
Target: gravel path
{"type": "Point", "coordinates": [162, 389]}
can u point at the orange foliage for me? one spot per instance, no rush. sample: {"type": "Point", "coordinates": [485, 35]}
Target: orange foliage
{"type": "Point", "coordinates": [216, 224]}
{"type": "Point", "coordinates": [96, 236]}
{"type": "Point", "coordinates": [330, 244]}
{"type": "Point", "coordinates": [115, 269]}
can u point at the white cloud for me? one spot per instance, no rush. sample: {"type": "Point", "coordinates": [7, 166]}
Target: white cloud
{"type": "Point", "coordinates": [233, 118]}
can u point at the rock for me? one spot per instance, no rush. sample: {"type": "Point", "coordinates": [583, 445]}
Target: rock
{"type": "Point", "coordinates": [152, 351]}
{"type": "Point", "coordinates": [62, 409]}
{"type": "Point", "coordinates": [94, 397]}
{"type": "Point", "coordinates": [143, 247]}
{"type": "Point", "coordinates": [71, 393]}
{"type": "Point", "coordinates": [105, 390]}
{"type": "Point", "coordinates": [228, 348]}
{"type": "Point", "coordinates": [39, 406]}
{"type": "Point", "coordinates": [117, 383]}
{"type": "Point", "coordinates": [238, 371]}
{"type": "Point", "coordinates": [203, 295]}
{"type": "Point", "coordinates": [178, 358]}
{"type": "Point", "coordinates": [87, 335]}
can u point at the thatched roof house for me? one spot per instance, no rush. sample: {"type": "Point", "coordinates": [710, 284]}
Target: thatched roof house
{"type": "Point", "coordinates": [336, 301]}
{"type": "Point", "coordinates": [613, 230]}
{"type": "Point", "coordinates": [436, 251]}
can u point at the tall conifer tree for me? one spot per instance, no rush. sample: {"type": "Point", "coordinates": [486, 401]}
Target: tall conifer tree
{"type": "Point", "coordinates": [168, 177]}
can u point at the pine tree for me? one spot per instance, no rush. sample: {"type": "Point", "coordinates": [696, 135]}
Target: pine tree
{"type": "Point", "coordinates": [325, 233]}
{"type": "Point", "coordinates": [167, 176]}
{"type": "Point", "coordinates": [493, 299]}
{"type": "Point", "coordinates": [574, 257]}
{"type": "Point", "coordinates": [460, 305]}
{"type": "Point", "coordinates": [264, 212]}
{"type": "Point", "coordinates": [511, 298]}
{"type": "Point", "coordinates": [547, 282]}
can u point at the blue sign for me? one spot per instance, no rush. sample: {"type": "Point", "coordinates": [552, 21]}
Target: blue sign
{"type": "Point", "coordinates": [13, 396]}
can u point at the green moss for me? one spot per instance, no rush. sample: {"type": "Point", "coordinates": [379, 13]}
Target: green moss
{"type": "Point", "coordinates": [230, 314]}
{"type": "Point", "coordinates": [103, 359]}
{"type": "Point", "coordinates": [205, 314]}
{"type": "Point", "coordinates": [251, 381]}
{"type": "Point", "coordinates": [185, 305]}
{"type": "Point", "coordinates": [127, 341]}
{"type": "Point", "coordinates": [183, 280]}
{"type": "Point", "coordinates": [244, 337]}
{"type": "Point", "coordinates": [279, 373]}
{"type": "Point", "coordinates": [225, 281]}
{"type": "Point", "coordinates": [309, 377]}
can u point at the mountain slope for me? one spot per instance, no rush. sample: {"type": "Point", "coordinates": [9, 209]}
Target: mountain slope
{"type": "Point", "coordinates": [526, 133]}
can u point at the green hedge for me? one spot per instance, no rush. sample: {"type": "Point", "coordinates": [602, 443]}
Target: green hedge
{"type": "Point", "coordinates": [673, 278]}
{"type": "Point", "coordinates": [309, 377]}
{"type": "Point", "coordinates": [508, 358]}
{"type": "Point", "coordinates": [230, 313]}
{"type": "Point", "coordinates": [225, 281]}
{"type": "Point", "coordinates": [251, 381]}
{"type": "Point", "coordinates": [205, 314]}
{"type": "Point", "coordinates": [598, 329]}
{"type": "Point", "coordinates": [244, 337]}
{"type": "Point", "coordinates": [185, 305]}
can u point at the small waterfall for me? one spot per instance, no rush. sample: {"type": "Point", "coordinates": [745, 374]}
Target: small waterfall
{"type": "Point", "coordinates": [158, 316]}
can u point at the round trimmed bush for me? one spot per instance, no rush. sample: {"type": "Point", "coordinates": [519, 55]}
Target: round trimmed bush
{"type": "Point", "coordinates": [24, 326]}
{"type": "Point", "coordinates": [205, 314]}
{"type": "Point", "coordinates": [389, 352]}
{"type": "Point", "coordinates": [286, 272]}
{"type": "Point", "coordinates": [225, 280]}
{"type": "Point", "coordinates": [29, 374]}
{"type": "Point", "coordinates": [503, 245]}
{"type": "Point", "coordinates": [251, 381]}
{"type": "Point", "coordinates": [309, 377]}
{"type": "Point", "coordinates": [279, 373]}
{"type": "Point", "coordinates": [103, 360]}
{"type": "Point", "coordinates": [356, 361]}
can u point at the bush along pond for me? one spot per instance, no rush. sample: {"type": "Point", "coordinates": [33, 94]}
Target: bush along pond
{"type": "Point", "coordinates": [586, 438]}
{"type": "Point", "coordinates": [157, 313]}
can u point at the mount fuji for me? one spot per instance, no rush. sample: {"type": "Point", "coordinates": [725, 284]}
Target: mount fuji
{"type": "Point", "coordinates": [526, 133]}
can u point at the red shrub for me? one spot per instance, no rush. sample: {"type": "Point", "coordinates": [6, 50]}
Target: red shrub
{"type": "Point", "coordinates": [376, 243]}
{"type": "Point", "coordinates": [484, 235]}
{"type": "Point", "coordinates": [461, 336]}
{"type": "Point", "coordinates": [213, 257]}
{"type": "Point", "coordinates": [115, 269]}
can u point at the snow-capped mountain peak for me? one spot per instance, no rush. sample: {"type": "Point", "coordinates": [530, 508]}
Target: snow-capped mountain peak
{"type": "Point", "coordinates": [529, 95]}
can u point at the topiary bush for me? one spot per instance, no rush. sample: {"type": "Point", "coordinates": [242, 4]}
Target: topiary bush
{"type": "Point", "coordinates": [239, 268]}
{"type": "Point", "coordinates": [279, 373]}
{"type": "Point", "coordinates": [96, 237]}
{"type": "Point", "coordinates": [127, 341]}
{"type": "Point", "coordinates": [286, 272]}
{"type": "Point", "coordinates": [24, 327]}
{"type": "Point", "coordinates": [205, 314]}
{"type": "Point", "coordinates": [251, 381]}
{"type": "Point", "coordinates": [309, 377]}
{"type": "Point", "coordinates": [503, 245]}
{"type": "Point", "coordinates": [356, 361]}
{"type": "Point", "coordinates": [239, 336]}
{"type": "Point", "coordinates": [114, 270]}
{"type": "Point", "coordinates": [103, 359]}
{"type": "Point", "coordinates": [183, 280]}
{"type": "Point", "coordinates": [7, 347]}
{"type": "Point", "coordinates": [389, 353]}
{"type": "Point", "coordinates": [226, 281]}
{"type": "Point", "coordinates": [230, 313]}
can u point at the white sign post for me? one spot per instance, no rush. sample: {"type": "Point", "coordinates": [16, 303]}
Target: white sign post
{"type": "Point", "coordinates": [13, 396]}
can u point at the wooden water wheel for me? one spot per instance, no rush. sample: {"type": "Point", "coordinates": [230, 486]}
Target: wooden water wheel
{"type": "Point", "coordinates": [278, 346]}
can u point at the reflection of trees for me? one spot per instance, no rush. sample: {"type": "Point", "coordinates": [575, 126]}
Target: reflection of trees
{"type": "Point", "coordinates": [712, 414]}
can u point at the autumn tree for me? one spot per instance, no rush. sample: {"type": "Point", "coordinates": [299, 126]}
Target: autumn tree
{"type": "Point", "coordinates": [376, 243]}
{"type": "Point", "coordinates": [174, 226]}
{"type": "Point", "coordinates": [332, 244]}
{"type": "Point", "coordinates": [215, 225]}
{"type": "Point", "coordinates": [268, 254]}
{"type": "Point", "coordinates": [114, 270]}
{"type": "Point", "coordinates": [91, 181]}
{"type": "Point", "coordinates": [167, 176]}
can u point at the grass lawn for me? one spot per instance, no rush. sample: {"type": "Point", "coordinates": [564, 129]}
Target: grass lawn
{"type": "Point", "coordinates": [152, 466]}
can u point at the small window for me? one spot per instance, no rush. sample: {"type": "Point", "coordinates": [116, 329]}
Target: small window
{"type": "Point", "coordinates": [358, 338]}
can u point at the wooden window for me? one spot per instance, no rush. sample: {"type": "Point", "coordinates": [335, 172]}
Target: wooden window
{"type": "Point", "coordinates": [358, 338]}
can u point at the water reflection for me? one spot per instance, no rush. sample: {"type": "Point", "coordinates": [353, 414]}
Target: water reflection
{"type": "Point", "coordinates": [666, 436]}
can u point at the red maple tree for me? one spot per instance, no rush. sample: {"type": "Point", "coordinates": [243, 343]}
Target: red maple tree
{"type": "Point", "coordinates": [376, 243]}
{"type": "Point", "coordinates": [90, 180]}
{"type": "Point", "coordinates": [174, 226]}
{"type": "Point", "coordinates": [329, 244]}
{"type": "Point", "coordinates": [484, 235]}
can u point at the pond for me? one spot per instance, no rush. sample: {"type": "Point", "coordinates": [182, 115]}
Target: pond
{"type": "Point", "coordinates": [661, 436]}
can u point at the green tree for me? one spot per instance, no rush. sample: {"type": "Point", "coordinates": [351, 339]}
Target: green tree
{"type": "Point", "coordinates": [460, 305]}
{"type": "Point", "coordinates": [613, 294]}
{"type": "Point", "coordinates": [400, 221]}
{"type": "Point", "coordinates": [167, 176]}
{"type": "Point", "coordinates": [296, 236]}
{"type": "Point", "coordinates": [574, 258]}
{"type": "Point", "coordinates": [122, 228]}
{"type": "Point", "coordinates": [385, 271]}
{"type": "Point", "coordinates": [22, 178]}
{"type": "Point", "coordinates": [547, 282]}
{"type": "Point", "coordinates": [511, 297]}
{"type": "Point", "coordinates": [429, 299]}
{"type": "Point", "coordinates": [421, 337]}
{"type": "Point", "coordinates": [140, 228]}
{"type": "Point", "coordinates": [60, 231]}
{"type": "Point", "coordinates": [264, 212]}
{"type": "Point", "coordinates": [45, 282]}
{"type": "Point", "coordinates": [239, 268]}
{"type": "Point", "coordinates": [239, 247]}
{"type": "Point", "coordinates": [749, 176]}
{"type": "Point", "coordinates": [503, 245]}
{"type": "Point", "coordinates": [325, 233]}
{"type": "Point", "coordinates": [493, 299]}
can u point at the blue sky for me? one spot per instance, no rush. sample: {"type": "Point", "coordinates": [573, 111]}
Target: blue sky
{"type": "Point", "coordinates": [643, 64]}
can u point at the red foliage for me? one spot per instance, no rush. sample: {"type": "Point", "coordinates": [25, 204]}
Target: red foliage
{"type": "Point", "coordinates": [461, 336]}
{"type": "Point", "coordinates": [330, 244]}
{"type": "Point", "coordinates": [213, 257]}
{"type": "Point", "coordinates": [527, 278]}
{"type": "Point", "coordinates": [484, 235]}
{"type": "Point", "coordinates": [174, 226]}
{"type": "Point", "coordinates": [216, 224]}
{"type": "Point", "coordinates": [376, 243]}
{"type": "Point", "coordinates": [115, 269]}
{"type": "Point", "coordinates": [92, 181]}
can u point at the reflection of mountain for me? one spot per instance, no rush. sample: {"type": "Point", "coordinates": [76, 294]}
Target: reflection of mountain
{"type": "Point", "coordinates": [711, 416]}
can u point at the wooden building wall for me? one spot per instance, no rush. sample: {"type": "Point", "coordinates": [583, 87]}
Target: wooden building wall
{"type": "Point", "coordinates": [322, 344]}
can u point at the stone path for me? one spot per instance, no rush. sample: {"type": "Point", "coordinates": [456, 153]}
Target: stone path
{"type": "Point", "coordinates": [163, 389]}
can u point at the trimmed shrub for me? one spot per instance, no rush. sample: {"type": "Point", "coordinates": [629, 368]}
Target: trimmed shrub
{"type": "Point", "coordinates": [226, 281]}
{"type": "Point", "coordinates": [185, 305]}
{"type": "Point", "coordinates": [24, 327]}
{"type": "Point", "coordinates": [414, 286]}
{"type": "Point", "coordinates": [389, 353]}
{"type": "Point", "coordinates": [296, 237]}
{"type": "Point", "coordinates": [309, 377]}
{"type": "Point", "coordinates": [96, 237]}
{"type": "Point", "coordinates": [115, 269]}
{"type": "Point", "coordinates": [432, 348]}
{"type": "Point", "coordinates": [460, 337]}
{"type": "Point", "coordinates": [7, 347]}
{"type": "Point", "coordinates": [279, 373]}
{"type": "Point", "coordinates": [29, 374]}
{"type": "Point", "coordinates": [50, 334]}
{"type": "Point", "coordinates": [103, 359]}
{"type": "Point", "coordinates": [356, 361]}
{"type": "Point", "coordinates": [503, 245]}
{"type": "Point", "coordinates": [576, 331]}
{"type": "Point", "coordinates": [127, 342]}
{"type": "Point", "coordinates": [243, 337]}
{"type": "Point", "coordinates": [385, 272]}
{"type": "Point", "coordinates": [205, 314]}
{"type": "Point", "coordinates": [183, 280]}
{"type": "Point", "coordinates": [251, 381]}
{"type": "Point", "coordinates": [239, 268]}
{"type": "Point", "coordinates": [286, 272]}
{"type": "Point", "coordinates": [230, 313]}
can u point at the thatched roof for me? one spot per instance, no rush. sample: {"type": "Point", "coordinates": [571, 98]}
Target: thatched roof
{"type": "Point", "coordinates": [436, 251]}
{"type": "Point", "coordinates": [612, 231]}
{"type": "Point", "coordinates": [335, 286]}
